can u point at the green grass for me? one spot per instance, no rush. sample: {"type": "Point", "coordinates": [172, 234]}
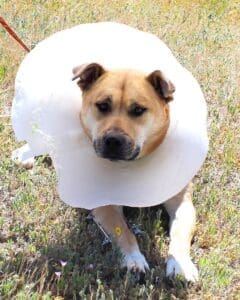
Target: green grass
{"type": "Point", "coordinates": [38, 232]}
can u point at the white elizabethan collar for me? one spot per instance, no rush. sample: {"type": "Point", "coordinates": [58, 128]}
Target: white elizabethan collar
{"type": "Point", "coordinates": [46, 108]}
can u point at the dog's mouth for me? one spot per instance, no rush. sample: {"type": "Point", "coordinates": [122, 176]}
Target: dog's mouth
{"type": "Point", "coordinates": [116, 146]}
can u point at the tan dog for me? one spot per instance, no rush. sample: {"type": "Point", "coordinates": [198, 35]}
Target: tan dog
{"type": "Point", "coordinates": [125, 114]}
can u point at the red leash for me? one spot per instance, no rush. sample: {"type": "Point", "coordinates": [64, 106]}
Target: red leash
{"type": "Point", "coordinates": [13, 34]}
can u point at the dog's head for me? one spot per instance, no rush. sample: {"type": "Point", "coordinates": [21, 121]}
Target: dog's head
{"type": "Point", "coordinates": [125, 113]}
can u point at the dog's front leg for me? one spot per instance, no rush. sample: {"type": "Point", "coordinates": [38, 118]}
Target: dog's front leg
{"type": "Point", "coordinates": [111, 218]}
{"type": "Point", "coordinates": [182, 222]}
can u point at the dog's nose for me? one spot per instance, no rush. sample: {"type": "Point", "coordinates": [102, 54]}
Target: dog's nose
{"type": "Point", "coordinates": [116, 145]}
{"type": "Point", "coordinates": [114, 142]}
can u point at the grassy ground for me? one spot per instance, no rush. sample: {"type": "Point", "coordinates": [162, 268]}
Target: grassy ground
{"type": "Point", "coordinates": [38, 233]}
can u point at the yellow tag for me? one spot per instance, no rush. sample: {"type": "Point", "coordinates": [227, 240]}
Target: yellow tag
{"type": "Point", "coordinates": [118, 231]}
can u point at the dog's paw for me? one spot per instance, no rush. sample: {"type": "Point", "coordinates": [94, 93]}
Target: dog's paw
{"type": "Point", "coordinates": [135, 261]}
{"type": "Point", "coordinates": [23, 156]}
{"type": "Point", "coordinates": [181, 266]}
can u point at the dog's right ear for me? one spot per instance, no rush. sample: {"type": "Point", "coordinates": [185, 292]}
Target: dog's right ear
{"type": "Point", "coordinates": [87, 74]}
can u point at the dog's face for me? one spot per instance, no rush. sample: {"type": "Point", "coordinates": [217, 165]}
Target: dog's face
{"type": "Point", "coordinates": [125, 113]}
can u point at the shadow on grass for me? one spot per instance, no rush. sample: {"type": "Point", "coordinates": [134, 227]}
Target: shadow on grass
{"type": "Point", "coordinates": [81, 267]}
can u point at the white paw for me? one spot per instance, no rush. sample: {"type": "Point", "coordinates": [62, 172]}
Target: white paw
{"type": "Point", "coordinates": [23, 156]}
{"type": "Point", "coordinates": [135, 261]}
{"type": "Point", "coordinates": [182, 266]}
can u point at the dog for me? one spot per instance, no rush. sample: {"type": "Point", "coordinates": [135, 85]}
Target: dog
{"type": "Point", "coordinates": [134, 109]}
{"type": "Point", "coordinates": [125, 114]}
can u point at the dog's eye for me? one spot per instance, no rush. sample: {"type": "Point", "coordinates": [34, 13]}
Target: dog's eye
{"type": "Point", "coordinates": [137, 110]}
{"type": "Point", "coordinates": [104, 107]}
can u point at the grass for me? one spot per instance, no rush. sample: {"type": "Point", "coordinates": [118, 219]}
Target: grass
{"type": "Point", "coordinates": [38, 233]}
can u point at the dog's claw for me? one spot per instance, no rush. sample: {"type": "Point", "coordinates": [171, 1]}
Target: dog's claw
{"type": "Point", "coordinates": [181, 266]}
{"type": "Point", "coordinates": [135, 261]}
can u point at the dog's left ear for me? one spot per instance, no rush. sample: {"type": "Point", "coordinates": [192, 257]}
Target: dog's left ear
{"type": "Point", "coordinates": [162, 85]}
{"type": "Point", "coordinates": [87, 74]}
